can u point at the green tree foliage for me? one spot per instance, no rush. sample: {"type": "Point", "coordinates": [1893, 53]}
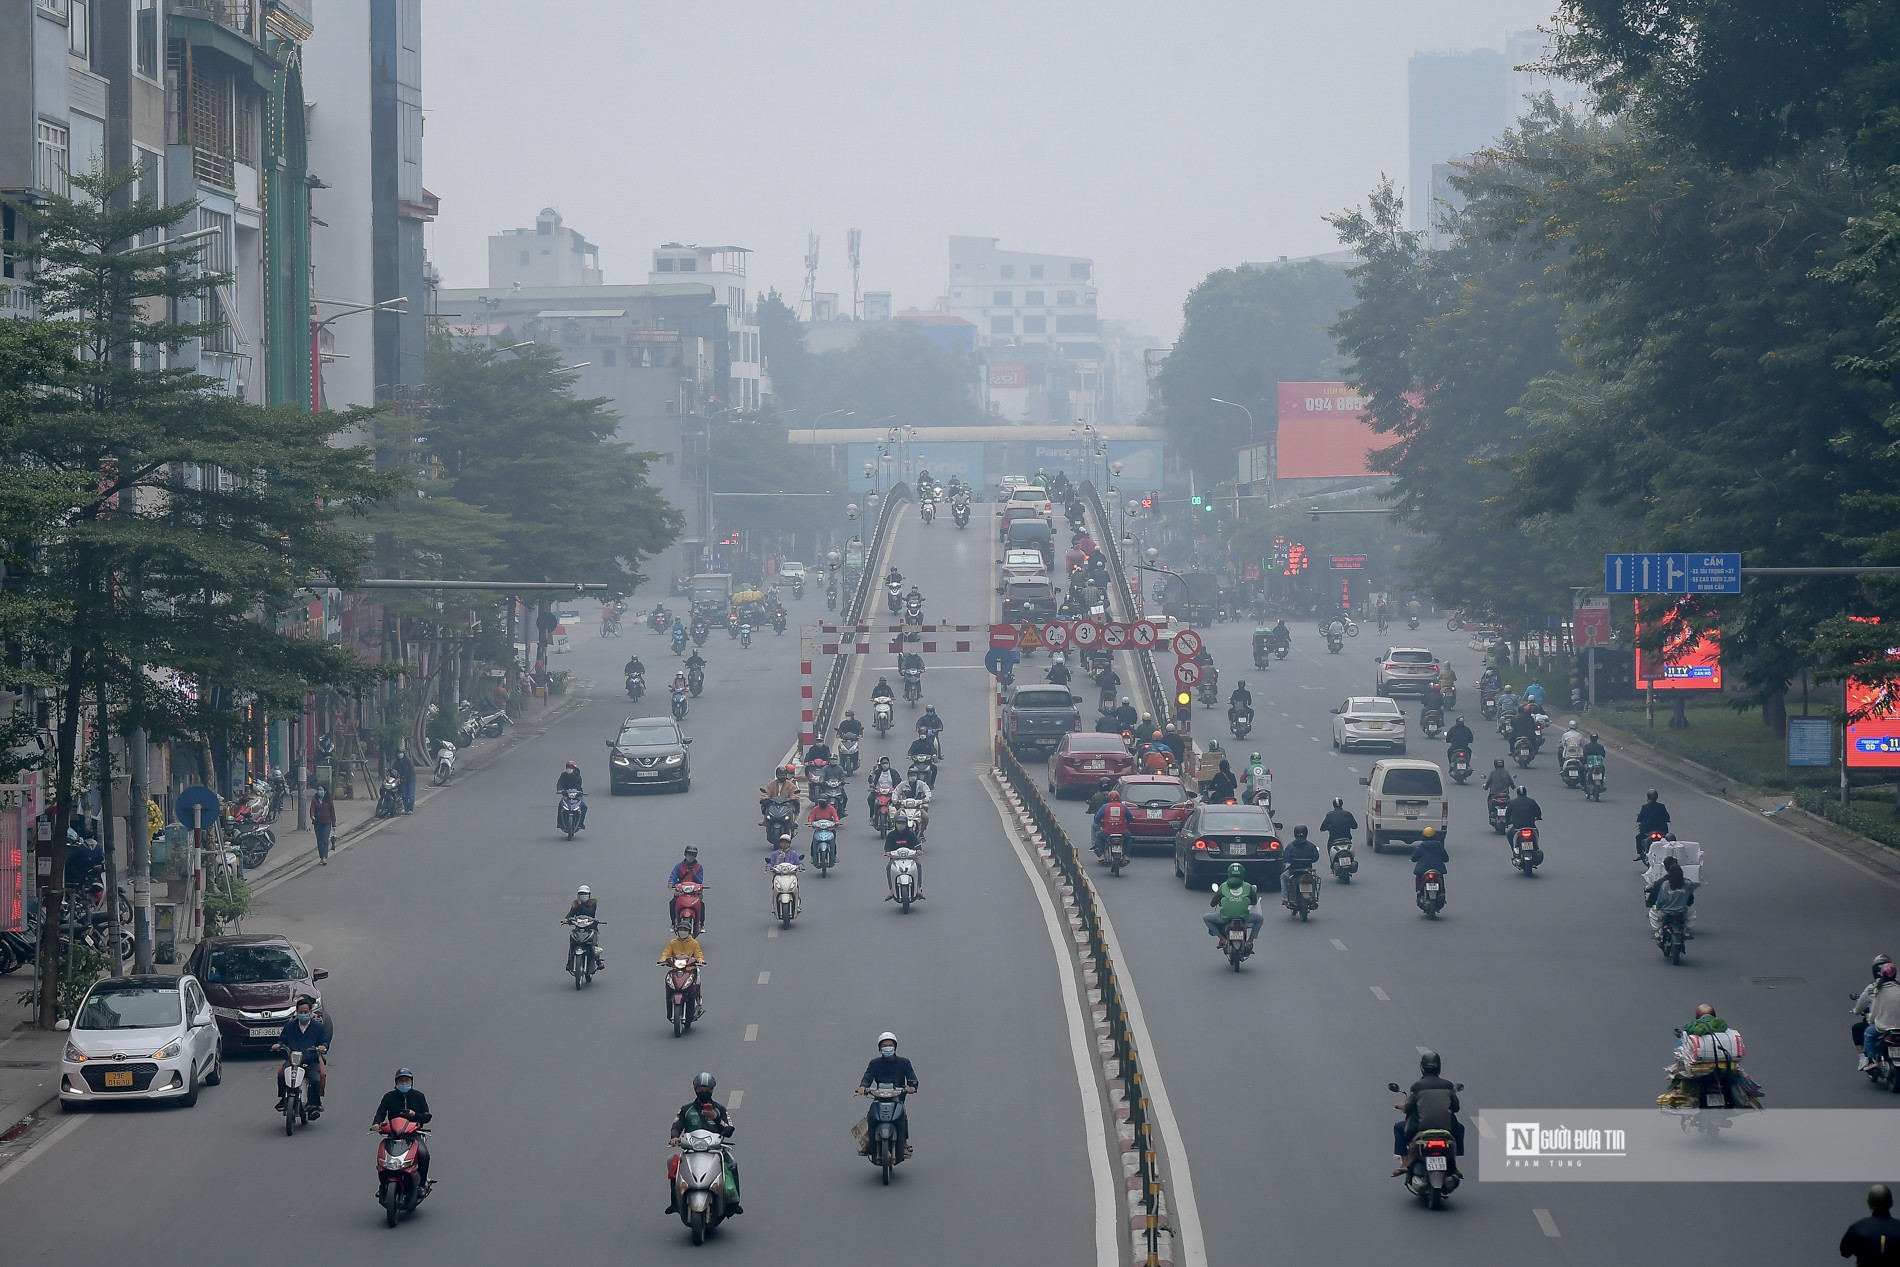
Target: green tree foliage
{"type": "Point", "coordinates": [751, 454]}
{"type": "Point", "coordinates": [782, 344]}
{"type": "Point", "coordinates": [1245, 330]}
{"type": "Point", "coordinates": [893, 371]}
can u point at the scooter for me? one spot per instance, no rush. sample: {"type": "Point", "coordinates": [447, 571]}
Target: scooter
{"type": "Point", "coordinates": [824, 846]}
{"type": "Point", "coordinates": [1209, 694]}
{"type": "Point", "coordinates": [1595, 779]}
{"type": "Point", "coordinates": [1525, 852]}
{"type": "Point", "coordinates": [1524, 751]}
{"type": "Point", "coordinates": [785, 903]}
{"type": "Point", "coordinates": [683, 1004]}
{"type": "Point", "coordinates": [1236, 941]}
{"type": "Point", "coordinates": [700, 633]}
{"type": "Point", "coordinates": [567, 818]}
{"type": "Point", "coordinates": [882, 716]}
{"type": "Point", "coordinates": [1334, 643]}
{"type": "Point", "coordinates": [1116, 853]}
{"type": "Point", "coordinates": [1571, 772]}
{"type": "Point", "coordinates": [913, 612]}
{"type": "Point", "coordinates": [778, 621]}
{"type": "Point", "coordinates": [1460, 763]}
{"type": "Point", "coordinates": [960, 513]}
{"type": "Point", "coordinates": [700, 1183]}
{"type": "Point", "coordinates": [679, 640]}
{"type": "Point", "coordinates": [848, 755]}
{"type": "Point", "coordinates": [444, 763]}
{"type": "Point", "coordinates": [688, 907]}
{"type": "Point", "coordinates": [887, 1110]}
{"type": "Point", "coordinates": [901, 875]}
{"type": "Point", "coordinates": [1340, 859]}
{"type": "Point", "coordinates": [1241, 723]}
{"type": "Point", "coordinates": [927, 511]}
{"type": "Point", "coordinates": [1411, 622]}
{"type": "Point", "coordinates": [582, 930]}
{"type": "Point", "coordinates": [732, 624]}
{"type": "Point", "coordinates": [913, 686]}
{"type": "Point", "coordinates": [1431, 893]}
{"type": "Point", "coordinates": [1488, 704]}
{"type": "Point", "coordinates": [296, 1105]}
{"type": "Point", "coordinates": [388, 799]}
{"type": "Point", "coordinates": [798, 587]}
{"type": "Point", "coordinates": [894, 595]}
{"type": "Point", "coordinates": [695, 680]}
{"type": "Point", "coordinates": [679, 704]}
{"type": "Point", "coordinates": [399, 1185]}
{"type": "Point", "coordinates": [1431, 1166]}
{"type": "Point", "coordinates": [636, 685]}
{"type": "Point", "coordinates": [1433, 723]}
{"type": "Point", "coordinates": [779, 821]}
{"type": "Point", "coordinates": [880, 812]}
{"type": "Point", "coordinates": [1672, 937]}
{"type": "Point", "coordinates": [1302, 896]}
{"type": "Point", "coordinates": [1499, 802]}
{"type": "Point", "coordinates": [745, 636]}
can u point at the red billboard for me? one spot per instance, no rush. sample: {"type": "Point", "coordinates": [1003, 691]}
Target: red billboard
{"type": "Point", "coordinates": [1324, 433]}
{"type": "Point", "coordinates": [1683, 667]}
{"type": "Point", "coordinates": [1873, 741]}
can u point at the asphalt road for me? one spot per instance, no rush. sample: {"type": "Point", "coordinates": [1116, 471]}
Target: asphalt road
{"type": "Point", "coordinates": [552, 1106]}
{"type": "Point", "coordinates": [1539, 992]}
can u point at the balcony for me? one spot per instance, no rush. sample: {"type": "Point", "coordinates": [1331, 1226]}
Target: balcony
{"type": "Point", "coordinates": [236, 15]}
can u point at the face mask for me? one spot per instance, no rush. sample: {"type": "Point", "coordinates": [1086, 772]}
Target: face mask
{"type": "Point", "coordinates": [405, 1086]}
{"type": "Point", "coordinates": [703, 1096]}
{"type": "Point", "coordinates": [303, 1018]}
{"type": "Point", "coordinates": [887, 1051]}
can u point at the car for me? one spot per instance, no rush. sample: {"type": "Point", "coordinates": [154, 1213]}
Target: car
{"type": "Point", "coordinates": [1364, 721]}
{"type": "Point", "coordinates": [1084, 758]}
{"type": "Point", "coordinates": [1017, 512]}
{"type": "Point", "coordinates": [1412, 669]}
{"type": "Point", "coordinates": [253, 982]}
{"type": "Point", "coordinates": [1038, 717]}
{"type": "Point", "coordinates": [1214, 836]}
{"type": "Point", "coordinates": [648, 752]}
{"type": "Point", "coordinates": [1157, 805]}
{"type": "Point", "coordinates": [1023, 564]}
{"type": "Point", "coordinates": [1030, 598]}
{"type": "Point", "coordinates": [1403, 799]}
{"type": "Point", "coordinates": [1009, 484]}
{"type": "Point", "coordinates": [1032, 495]}
{"type": "Point", "coordinates": [790, 569]}
{"type": "Point", "coordinates": [141, 1038]}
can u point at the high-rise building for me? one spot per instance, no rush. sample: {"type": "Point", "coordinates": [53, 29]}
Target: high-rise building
{"type": "Point", "coordinates": [1458, 104]}
{"type": "Point", "coordinates": [724, 269]}
{"type": "Point", "coordinates": [1037, 326]}
{"type": "Point", "coordinates": [1524, 50]}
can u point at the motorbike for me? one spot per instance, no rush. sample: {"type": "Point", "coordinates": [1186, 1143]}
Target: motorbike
{"type": "Point", "coordinates": [1495, 806]}
{"type": "Point", "coordinates": [824, 846]}
{"type": "Point", "coordinates": [960, 513]}
{"type": "Point", "coordinates": [567, 818]}
{"type": "Point", "coordinates": [1411, 622]}
{"type": "Point", "coordinates": [679, 640]}
{"type": "Point", "coordinates": [253, 844]}
{"type": "Point", "coordinates": [688, 907]}
{"type": "Point", "coordinates": [785, 903]}
{"type": "Point", "coordinates": [913, 612]}
{"type": "Point", "coordinates": [1116, 852]}
{"type": "Point", "coordinates": [1334, 643]}
{"type": "Point", "coordinates": [894, 595]}
{"type": "Point", "coordinates": [683, 1005]}
{"type": "Point", "coordinates": [924, 768]}
{"type": "Point", "coordinates": [659, 620]}
{"type": "Point", "coordinates": [1236, 941]}
{"type": "Point", "coordinates": [1241, 723]}
{"type": "Point", "coordinates": [1340, 859]}
{"type": "Point", "coordinates": [636, 685]}
{"type": "Point", "coordinates": [927, 510]}
{"type": "Point", "coordinates": [1431, 893]}
{"type": "Point", "coordinates": [1433, 723]}
{"type": "Point", "coordinates": [695, 680]}
{"type": "Point", "coordinates": [297, 1111]}
{"type": "Point", "coordinates": [913, 686]}
{"type": "Point", "coordinates": [887, 1110]}
{"type": "Point", "coordinates": [610, 626]}
{"type": "Point", "coordinates": [881, 716]}
{"type": "Point", "coordinates": [909, 810]}
{"type": "Point", "coordinates": [831, 598]}
{"type": "Point", "coordinates": [444, 763]}
{"type": "Point", "coordinates": [778, 621]}
{"type": "Point", "coordinates": [1595, 779]}
{"type": "Point", "coordinates": [1208, 693]}
{"type": "Point", "coordinates": [399, 1185]}
{"type": "Point", "coordinates": [1488, 704]}
{"type": "Point", "coordinates": [1570, 770]}
{"type": "Point", "coordinates": [1672, 936]}
{"type": "Point", "coordinates": [901, 875]}
{"type": "Point", "coordinates": [16, 951]}
{"type": "Point", "coordinates": [1644, 839]}
{"type": "Point", "coordinates": [1302, 896]}
{"type": "Point", "coordinates": [701, 1187]}
{"type": "Point", "coordinates": [780, 820]}
{"type": "Point", "coordinates": [1886, 1067]}
{"type": "Point", "coordinates": [880, 812]}
{"type": "Point", "coordinates": [679, 704]}
{"type": "Point", "coordinates": [388, 801]}
{"type": "Point", "coordinates": [1526, 851]}
{"type": "Point", "coordinates": [700, 634]}
{"type": "Point", "coordinates": [1524, 751]}
{"type": "Point", "coordinates": [732, 624]}
{"type": "Point", "coordinates": [1431, 1167]}
{"type": "Point", "coordinates": [745, 636]}
{"type": "Point", "coordinates": [582, 931]}
{"type": "Point", "coordinates": [1460, 763]}
{"type": "Point", "coordinates": [848, 755]}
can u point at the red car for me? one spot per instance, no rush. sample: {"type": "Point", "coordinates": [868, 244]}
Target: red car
{"type": "Point", "coordinates": [252, 981]}
{"type": "Point", "coordinates": [1083, 758]}
{"type": "Point", "coordinates": [1157, 804]}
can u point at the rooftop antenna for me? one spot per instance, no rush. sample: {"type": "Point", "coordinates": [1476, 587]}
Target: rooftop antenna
{"type": "Point", "coordinates": [853, 240]}
{"type": "Point", "coordinates": [808, 300]}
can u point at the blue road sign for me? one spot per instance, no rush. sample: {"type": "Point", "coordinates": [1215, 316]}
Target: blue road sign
{"type": "Point", "coordinates": [196, 807]}
{"type": "Point", "coordinates": [1672, 573]}
{"type": "Point", "coordinates": [1811, 741]}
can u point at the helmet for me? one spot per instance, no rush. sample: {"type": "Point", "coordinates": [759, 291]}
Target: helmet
{"type": "Point", "coordinates": [1459, 722]}
{"type": "Point", "coordinates": [1878, 961]}
{"type": "Point", "coordinates": [583, 891]}
{"type": "Point", "coordinates": [1242, 685]}
{"type": "Point", "coordinates": [1880, 1197]}
{"type": "Point", "coordinates": [848, 714]}
{"type": "Point", "coordinates": [1114, 797]}
{"type": "Point", "coordinates": [1339, 802]}
{"type": "Point", "coordinates": [1213, 745]}
{"type": "Point", "coordinates": [1125, 699]}
{"type": "Point", "coordinates": [785, 772]}
{"type": "Point", "coordinates": [1593, 736]}
{"type": "Point", "coordinates": [1255, 758]}
{"type": "Point", "coordinates": [1431, 833]}
{"type": "Point", "coordinates": [1523, 791]}
{"type": "Point", "coordinates": [1429, 1063]}
{"type": "Point", "coordinates": [1105, 785]}
{"type": "Point", "coordinates": [692, 851]}
{"type": "Point", "coordinates": [1497, 763]}
{"type": "Point", "coordinates": [1299, 833]}
{"type": "Point", "coordinates": [1652, 794]}
{"type": "Point", "coordinates": [785, 840]}
{"type": "Point", "coordinates": [1888, 972]}
{"type": "Point", "coordinates": [1236, 872]}
{"type": "Point", "coordinates": [683, 929]}
{"type": "Point", "coordinates": [1571, 724]}
{"type": "Point", "coordinates": [404, 1071]}
{"type": "Point", "coordinates": [704, 1082]}
{"type": "Point", "coordinates": [1155, 735]}
{"type": "Point", "coordinates": [886, 1037]}
{"type": "Point", "coordinates": [571, 765]}
{"type": "Point", "coordinates": [1169, 728]}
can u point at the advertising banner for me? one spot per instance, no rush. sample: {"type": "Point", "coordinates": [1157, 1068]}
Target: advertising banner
{"type": "Point", "coordinates": [1014, 374]}
{"type": "Point", "coordinates": [1324, 433]}
{"type": "Point", "coordinates": [1873, 742]}
{"type": "Point", "coordinates": [1679, 666]}
{"type": "Point", "coordinates": [1256, 464]}
{"type": "Point", "coordinates": [963, 459]}
{"type": "Point", "coordinates": [1141, 462]}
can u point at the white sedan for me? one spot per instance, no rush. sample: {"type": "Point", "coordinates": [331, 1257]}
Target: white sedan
{"type": "Point", "coordinates": [141, 1038]}
{"type": "Point", "coordinates": [1366, 720]}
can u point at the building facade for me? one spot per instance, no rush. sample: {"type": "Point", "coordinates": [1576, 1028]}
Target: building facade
{"type": "Point", "coordinates": [1037, 326]}
{"type": "Point", "coordinates": [548, 255]}
{"type": "Point", "coordinates": [1458, 103]}
{"type": "Point", "coordinates": [724, 269]}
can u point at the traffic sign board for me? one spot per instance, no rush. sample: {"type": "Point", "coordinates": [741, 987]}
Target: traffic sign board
{"type": "Point", "coordinates": [1187, 645]}
{"type": "Point", "coordinates": [1055, 635]}
{"type": "Point", "coordinates": [1187, 672]}
{"type": "Point", "coordinates": [1679, 573]}
{"type": "Point", "coordinates": [1027, 638]}
{"type": "Point", "coordinates": [1085, 634]}
{"type": "Point", "coordinates": [1115, 635]}
{"type": "Point", "coordinates": [1144, 634]}
{"type": "Point", "coordinates": [1003, 636]}
{"type": "Point", "coordinates": [196, 807]}
{"type": "Point", "coordinates": [1593, 626]}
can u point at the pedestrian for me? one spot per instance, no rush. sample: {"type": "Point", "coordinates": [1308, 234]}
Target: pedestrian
{"type": "Point", "coordinates": [1875, 1240]}
{"type": "Point", "coordinates": [323, 822]}
{"type": "Point", "coordinates": [406, 776]}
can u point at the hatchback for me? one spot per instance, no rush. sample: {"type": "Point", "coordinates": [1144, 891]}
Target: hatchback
{"type": "Point", "coordinates": [141, 1038]}
{"type": "Point", "coordinates": [1365, 721]}
{"type": "Point", "coordinates": [253, 982]}
{"type": "Point", "coordinates": [1157, 804]}
{"type": "Point", "coordinates": [1213, 837]}
{"type": "Point", "coordinates": [1083, 759]}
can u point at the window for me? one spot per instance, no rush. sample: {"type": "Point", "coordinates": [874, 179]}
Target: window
{"type": "Point", "coordinates": [52, 141]}
{"type": "Point", "coordinates": [215, 257]}
{"type": "Point", "coordinates": [1079, 272]}
{"type": "Point", "coordinates": [145, 37]}
{"type": "Point", "coordinates": [1035, 271]}
{"type": "Point", "coordinates": [1035, 325]}
{"type": "Point", "coordinates": [1004, 299]}
{"type": "Point", "coordinates": [150, 186]}
{"type": "Point", "coordinates": [79, 30]}
{"type": "Point", "coordinates": [1065, 298]}
{"type": "Point", "coordinates": [1007, 270]}
{"type": "Point", "coordinates": [54, 6]}
{"type": "Point", "coordinates": [1075, 325]}
{"type": "Point", "coordinates": [1088, 298]}
{"type": "Point", "coordinates": [1033, 298]}
{"type": "Point", "coordinates": [244, 131]}
{"type": "Point", "coordinates": [1002, 325]}
{"type": "Point", "coordinates": [1406, 782]}
{"type": "Point", "coordinates": [544, 228]}
{"type": "Point", "coordinates": [664, 264]}
{"type": "Point", "coordinates": [524, 259]}
{"type": "Point", "coordinates": [9, 232]}
{"type": "Point", "coordinates": [688, 265]}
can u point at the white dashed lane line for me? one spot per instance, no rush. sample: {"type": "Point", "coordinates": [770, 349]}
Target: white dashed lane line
{"type": "Point", "coordinates": [1377, 993]}
{"type": "Point", "coordinates": [1547, 1223]}
{"type": "Point", "coordinates": [764, 977]}
{"type": "Point", "coordinates": [752, 1033]}
{"type": "Point", "coordinates": [734, 1100]}
{"type": "Point", "coordinates": [1338, 944]}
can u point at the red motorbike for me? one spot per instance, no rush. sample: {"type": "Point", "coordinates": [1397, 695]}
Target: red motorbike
{"type": "Point", "coordinates": [682, 993]}
{"type": "Point", "coordinates": [881, 811]}
{"type": "Point", "coordinates": [688, 906]}
{"type": "Point", "coordinates": [400, 1187]}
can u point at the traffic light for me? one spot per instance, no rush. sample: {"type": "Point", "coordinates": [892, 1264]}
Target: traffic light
{"type": "Point", "coordinates": [1148, 502]}
{"type": "Point", "coordinates": [1195, 500]}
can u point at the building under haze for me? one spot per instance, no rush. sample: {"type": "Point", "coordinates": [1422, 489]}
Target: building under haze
{"type": "Point", "coordinates": [1458, 104]}
{"type": "Point", "coordinates": [549, 254]}
{"type": "Point", "coordinates": [1524, 50]}
{"type": "Point", "coordinates": [724, 269]}
{"type": "Point", "coordinates": [1036, 328]}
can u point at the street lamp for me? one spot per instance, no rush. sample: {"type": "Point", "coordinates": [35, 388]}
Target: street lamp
{"type": "Point", "coordinates": [851, 512]}
{"type": "Point", "coordinates": [317, 327]}
{"type": "Point", "coordinates": [833, 414]}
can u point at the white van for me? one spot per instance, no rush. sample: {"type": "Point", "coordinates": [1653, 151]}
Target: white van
{"type": "Point", "coordinates": [1403, 798]}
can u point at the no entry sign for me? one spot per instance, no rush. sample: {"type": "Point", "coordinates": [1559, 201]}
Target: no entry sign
{"type": "Point", "coordinates": [1003, 637]}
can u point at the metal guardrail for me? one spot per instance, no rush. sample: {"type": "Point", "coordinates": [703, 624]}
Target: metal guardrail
{"type": "Point", "coordinates": [868, 580]}
{"type": "Point", "coordinates": [1160, 701]}
{"type": "Point", "coordinates": [1120, 1029]}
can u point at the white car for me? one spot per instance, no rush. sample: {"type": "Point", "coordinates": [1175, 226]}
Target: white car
{"type": "Point", "coordinates": [141, 1038]}
{"type": "Point", "coordinates": [789, 570]}
{"type": "Point", "coordinates": [1367, 720]}
{"type": "Point", "coordinates": [1032, 495]}
{"type": "Point", "coordinates": [1019, 565]}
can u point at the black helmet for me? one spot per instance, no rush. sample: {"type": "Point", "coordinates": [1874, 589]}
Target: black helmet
{"type": "Point", "coordinates": [1878, 961]}
{"type": "Point", "coordinates": [1428, 1062]}
{"type": "Point", "coordinates": [1880, 1198]}
{"type": "Point", "coordinates": [704, 1082]}
{"type": "Point", "coordinates": [1461, 721]}
{"type": "Point", "coordinates": [1299, 833]}
{"type": "Point", "coordinates": [1105, 785]}
{"type": "Point", "coordinates": [1523, 790]}
{"type": "Point", "coordinates": [1339, 803]}
{"type": "Point", "coordinates": [1497, 763]}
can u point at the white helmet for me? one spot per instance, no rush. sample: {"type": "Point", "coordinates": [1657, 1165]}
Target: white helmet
{"type": "Point", "coordinates": [886, 1037]}
{"type": "Point", "coordinates": [583, 891]}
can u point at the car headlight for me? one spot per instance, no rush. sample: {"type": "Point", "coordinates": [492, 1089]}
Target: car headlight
{"type": "Point", "coordinates": [169, 1050]}
{"type": "Point", "coordinates": [621, 760]}
{"type": "Point", "coordinates": [676, 758]}
{"type": "Point", "coordinates": [74, 1056]}
{"type": "Point", "coordinates": [228, 1013]}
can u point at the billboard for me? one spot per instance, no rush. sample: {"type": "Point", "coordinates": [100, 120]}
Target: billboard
{"type": "Point", "coordinates": [942, 458]}
{"type": "Point", "coordinates": [1256, 463]}
{"type": "Point", "coordinates": [1014, 374]}
{"type": "Point", "coordinates": [1682, 667]}
{"type": "Point", "coordinates": [1141, 462]}
{"type": "Point", "coordinates": [1324, 433]}
{"type": "Point", "coordinates": [1873, 742]}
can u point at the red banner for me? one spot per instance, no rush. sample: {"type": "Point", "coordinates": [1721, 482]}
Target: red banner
{"type": "Point", "coordinates": [1873, 742]}
{"type": "Point", "coordinates": [1683, 667]}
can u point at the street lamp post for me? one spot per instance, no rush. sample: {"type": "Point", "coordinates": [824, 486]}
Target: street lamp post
{"type": "Point", "coordinates": [316, 334]}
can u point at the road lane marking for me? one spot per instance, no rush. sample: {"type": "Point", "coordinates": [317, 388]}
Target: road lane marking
{"type": "Point", "coordinates": [752, 1033]}
{"type": "Point", "coordinates": [1547, 1223]}
{"type": "Point", "coordinates": [38, 1150]}
{"type": "Point", "coordinates": [1381, 995]}
{"type": "Point", "coordinates": [771, 932]}
{"type": "Point", "coordinates": [1338, 944]}
{"type": "Point", "coordinates": [764, 977]}
{"type": "Point", "coordinates": [734, 1100]}
{"type": "Point", "coordinates": [1423, 1050]}
{"type": "Point", "coordinates": [1484, 1128]}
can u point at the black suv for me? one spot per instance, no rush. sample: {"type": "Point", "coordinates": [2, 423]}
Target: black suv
{"type": "Point", "coordinates": [649, 752]}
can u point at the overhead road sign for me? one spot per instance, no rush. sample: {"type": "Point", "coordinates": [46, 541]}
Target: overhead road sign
{"type": "Point", "coordinates": [1672, 573]}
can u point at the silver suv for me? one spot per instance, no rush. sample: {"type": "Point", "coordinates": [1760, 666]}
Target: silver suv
{"type": "Point", "coordinates": [1406, 669]}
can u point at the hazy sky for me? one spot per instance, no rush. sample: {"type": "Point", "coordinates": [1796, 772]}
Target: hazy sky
{"type": "Point", "coordinates": [1164, 140]}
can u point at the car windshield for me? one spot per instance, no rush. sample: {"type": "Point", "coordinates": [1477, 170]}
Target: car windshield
{"type": "Point", "coordinates": [1372, 707]}
{"type": "Point", "coordinates": [1095, 743]}
{"type": "Point", "coordinates": [129, 1007]}
{"type": "Point", "coordinates": [1411, 657]}
{"type": "Point", "coordinates": [249, 965]}
{"type": "Point", "coordinates": [637, 736]}
{"type": "Point", "coordinates": [1403, 782]}
{"type": "Point", "coordinates": [1057, 698]}
{"type": "Point", "coordinates": [1024, 591]}
{"type": "Point", "coordinates": [1167, 793]}
{"type": "Point", "coordinates": [1236, 818]}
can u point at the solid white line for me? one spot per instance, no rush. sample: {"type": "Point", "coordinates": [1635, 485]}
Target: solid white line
{"type": "Point", "coordinates": [1338, 944]}
{"type": "Point", "coordinates": [1381, 995]}
{"type": "Point", "coordinates": [57, 1134]}
{"type": "Point", "coordinates": [764, 977]}
{"type": "Point", "coordinates": [1109, 1210]}
{"type": "Point", "coordinates": [752, 1033]}
{"type": "Point", "coordinates": [1547, 1223]}
{"type": "Point", "coordinates": [734, 1100]}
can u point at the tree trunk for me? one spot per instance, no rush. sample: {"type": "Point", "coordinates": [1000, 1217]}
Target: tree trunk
{"type": "Point", "coordinates": [52, 891]}
{"type": "Point", "coordinates": [1774, 713]}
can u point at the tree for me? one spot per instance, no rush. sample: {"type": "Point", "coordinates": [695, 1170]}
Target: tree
{"type": "Point", "coordinates": [895, 372]}
{"type": "Point", "coordinates": [753, 454]}
{"type": "Point", "coordinates": [1245, 330]}
{"type": "Point", "coordinates": [152, 520]}
{"type": "Point", "coordinates": [782, 344]}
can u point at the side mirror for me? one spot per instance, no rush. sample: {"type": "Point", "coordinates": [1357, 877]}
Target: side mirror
{"type": "Point", "coordinates": [687, 741]}
{"type": "Point", "coordinates": [1279, 827]}
{"type": "Point", "coordinates": [1337, 711]}
{"type": "Point", "coordinates": [1457, 1086]}
{"type": "Point", "coordinates": [610, 743]}
{"type": "Point", "coordinates": [1391, 1086]}
{"type": "Point", "coordinates": [320, 974]}
{"type": "Point", "coordinates": [1365, 783]}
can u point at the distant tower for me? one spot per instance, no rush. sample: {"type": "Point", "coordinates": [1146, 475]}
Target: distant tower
{"type": "Point", "coordinates": [853, 240]}
{"type": "Point", "coordinates": [811, 275]}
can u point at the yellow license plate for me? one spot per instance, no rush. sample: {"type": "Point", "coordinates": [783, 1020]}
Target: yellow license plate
{"type": "Point", "coordinates": [118, 1078]}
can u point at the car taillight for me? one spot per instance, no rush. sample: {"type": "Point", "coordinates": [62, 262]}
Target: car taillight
{"type": "Point", "coordinates": [1200, 844]}
{"type": "Point", "coordinates": [1444, 810]}
{"type": "Point", "coordinates": [1273, 844]}
{"type": "Point", "coordinates": [1378, 807]}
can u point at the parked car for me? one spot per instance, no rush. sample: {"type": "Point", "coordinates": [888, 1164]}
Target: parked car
{"type": "Point", "coordinates": [1157, 805]}
{"type": "Point", "coordinates": [1368, 720]}
{"type": "Point", "coordinates": [253, 982]}
{"type": "Point", "coordinates": [1214, 836]}
{"type": "Point", "coordinates": [141, 1038]}
{"type": "Point", "coordinates": [1037, 717]}
{"type": "Point", "coordinates": [1082, 759]}
{"type": "Point", "coordinates": [1411, 669]}
{"type": "Point", "coordinates": [648, 752]}
{"type": "Point", "coordinates": [1403, 798]}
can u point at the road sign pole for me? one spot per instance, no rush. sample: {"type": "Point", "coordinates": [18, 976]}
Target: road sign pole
{"type": "Point", "coordinates": [1591, 702]}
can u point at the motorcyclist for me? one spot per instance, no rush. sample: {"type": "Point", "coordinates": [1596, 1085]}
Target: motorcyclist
{"type": "Point", "coordinates": [1300, 854]}
{"type": "Point", "coordinates": [1110, 820]}
{"type": "Point", "coordinates": [1864, 1003]}
{"type": "Point", "coordinates": [893, 577]}
{"type": "Point", "coordinates": [1175, 742]}
{"type": "Point", "coordinates": [1382, 613]}
{"type": "Point", "coordinates": [702, 1113]}
{"type": "Point", "coordinates": [906, 835]}
{"type": "Point", "coordinates": [584, 904]}
{"type": "Point", "coordinates": [1281, 634]}
{"type": "Point", "coordinates": [1652, 817]}
{"type": "Point", "coordinates": [308, 1033]}
{"type": "Point", "coordinates": [1240, 698]}
{"type": "Point", "coordinates": [1058, 671]}
{"type": "Point", "coordinates": [850, 727]}
{"type": "Point", "coordinates": [1339, 821]}
{"type": "Point", "coordinates": [1570, 746]}
{"type": "Point", "coordinates": [1125, 715]}
{"type": "Point", "coordinates": [1524, 726]}
{"type": "Point", "coordinates": [916, 789]}
{"type": "Point", "coordinates": [1459, 736]}
{"type": "Point", "coordinates": [1499, 780]}
{"type": "Point", "coordinates": [1534, 694]}
{"type": "Point", "coordinates": [403, 1100]}
{"type": "Point", "coordinates": [784, 853]}
{"type": "Point", "coordinates": [1883, 1011]}
{"type": "Point", "coordinates": [1488, 681]}
{"type": "Point", "coordinates": [782, 788]}
{"type": "Point", "coordinates": [695, 661]}
{"type": "Point", "coordinates": [570, 778]}
{"type": "Point", "coordinates": [925, 745]}
{"type": "Point", "coordinates": [1431, 1104]}
{"type": "Point", "coordinates": [1412, 610]}
{"type": "Point", "coordinates": [1434, 702]}
{"type": "Point", "coordinates": [1100, 797]}
{"type": "Point", "coordinates": [1259, 778]}
{"type": "Point", "coordinates": [882, 690]}
{"type": "Point", "coordinates": [1234, 898]}
{"type": "Point", "coordinates": [1593, 747]}
{"type": "Point", "coordinates": [1673, 893]}
{"type": "Point", "coordinates": [1223, 786]}
{"type": "Point", "coordinates": [687, 871]}
{"type": "Point", "coordinates": [883, 776]}
{"type": "Point", "coordinates": [1154, 755]}
{"type": "Point", "coordinates": [1507, 703]}
{"type": "Point", "coordinates": [1429, 854]}
{"type": "Point", "coordinates": [889, 1069]}
{"type": "Point", "coordinates": [634, 666]}
{"type": "Point", "coordinates": [1523, 811]}
{"type": "Point", "coordinates": [928, 720]}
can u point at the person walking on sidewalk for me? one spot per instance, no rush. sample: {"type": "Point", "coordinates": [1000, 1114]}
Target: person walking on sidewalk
{"type": "Point", "coordinates": [405, 771]}
{"type": "Point", "coordinates": [323, 822]}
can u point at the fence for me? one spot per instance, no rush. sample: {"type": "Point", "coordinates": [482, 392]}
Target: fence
{"type": "Point", "coordinates": [1160, 701]}
{"type": "Point", "coordinates": [1121, 1032]}
{"type": "Point", "coordinates": [854, 607]}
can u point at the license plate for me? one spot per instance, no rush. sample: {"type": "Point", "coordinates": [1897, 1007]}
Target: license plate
{"type": "Point", "coordinates": [646, 774]}
{"type": "Point", "coordinates": [265, 1033]}
{"type": "Point", "coordinates": [1431, 888]}
{"type": "Point", "coordinates": [118, 1077]}
{"type": "Point", "coordinates": [1437, 1163]}
{"type": "Point", "coordinates": [1375, 725]}
{"type": "Point", "coordinates": [1238, 848]}
{"type": "Point", "coordinates": [1095, 765]}
{"type": "Point", "coordinates": [1152, 814]}
{"type": "Point", "coordinates": [1413, 817]}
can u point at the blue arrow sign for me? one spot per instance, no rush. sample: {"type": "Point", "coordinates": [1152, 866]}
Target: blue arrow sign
{"type": "Point", "coordinates": [1672, 573]}
{"type": "Point", "coordinates": [196, 807]}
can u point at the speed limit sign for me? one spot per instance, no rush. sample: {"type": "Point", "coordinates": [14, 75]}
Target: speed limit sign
{"type": "Point", "coordinates": [1187, 644]}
